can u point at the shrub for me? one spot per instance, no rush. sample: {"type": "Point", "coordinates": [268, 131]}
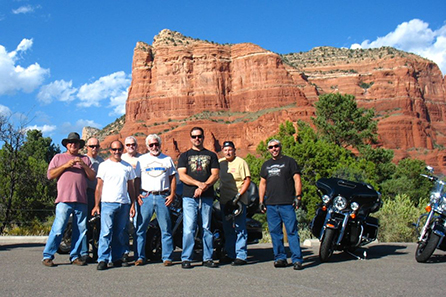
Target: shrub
{"type": "Point", "coordinates": [396, 217]}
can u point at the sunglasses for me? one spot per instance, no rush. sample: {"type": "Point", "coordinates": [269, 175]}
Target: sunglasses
{"type": "Point", "coordinates": [154, 144]}
{"type": "Point", "coordinates": [273, 146]}
{"type": "Point", "coordinates": [116, 149]}
{"type": "Point", "coordinates": [93, 146]}
{"type": "Point", "coordinates": [197, 136]}
{"type": "Point", "coordinates": [130, 144]}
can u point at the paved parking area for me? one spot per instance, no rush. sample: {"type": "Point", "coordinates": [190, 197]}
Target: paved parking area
{"type": "Point", "coordinates": [389, 270]}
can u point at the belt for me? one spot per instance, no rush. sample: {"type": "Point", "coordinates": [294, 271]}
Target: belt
{"type": "Point", "coordinates": [157, 192]}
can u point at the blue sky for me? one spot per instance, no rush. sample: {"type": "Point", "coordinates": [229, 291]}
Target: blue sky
{"type": "Point", "coordinates": [67, 64]}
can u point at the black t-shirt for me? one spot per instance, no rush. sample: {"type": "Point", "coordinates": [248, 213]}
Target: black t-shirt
{"type": "Point", "coordinates": [279, 180]}
{"type": "Point", "coordinates": [198, 165]}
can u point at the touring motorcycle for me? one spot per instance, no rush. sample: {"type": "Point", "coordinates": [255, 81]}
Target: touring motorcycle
{"type": "Point", "coordinates": [254, 227]}
{"type": "Point", "coordinates": [434, 228]}
{"type": "Point", "coordinates": [343, 221]}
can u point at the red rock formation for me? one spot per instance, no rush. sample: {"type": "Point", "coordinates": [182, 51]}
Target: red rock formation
{"type": "Point", "coordinates": [243, 92]}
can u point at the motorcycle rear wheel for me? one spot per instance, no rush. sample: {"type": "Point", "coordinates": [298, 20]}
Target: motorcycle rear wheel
{"type": "Point", "coordinates": [65, 244]}
{"type": "Point", "coordinates": [327, 245]}
{"type": "Point", "coordinates": [153, 244]}
{"type": "Point", "coordinates": [426, 249]}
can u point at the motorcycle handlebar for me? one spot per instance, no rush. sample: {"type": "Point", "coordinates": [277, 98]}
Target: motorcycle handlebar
{"type": "Point", "coordinates": [431, 178]}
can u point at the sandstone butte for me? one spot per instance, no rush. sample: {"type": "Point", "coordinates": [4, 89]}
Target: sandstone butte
{"type": "Point", "coordinates": [242, 92]}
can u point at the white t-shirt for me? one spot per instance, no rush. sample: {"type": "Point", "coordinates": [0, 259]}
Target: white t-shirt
{"type": "Point", "coordinates": [155, 172]}
{"type": "Point", "coordinates": [115, 176]}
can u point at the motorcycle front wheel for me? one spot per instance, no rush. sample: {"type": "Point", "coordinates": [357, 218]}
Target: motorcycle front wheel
{"type": "Point", "coordinates": [327, 245]}
{"type": "Point", "coordinates": [426, 249]}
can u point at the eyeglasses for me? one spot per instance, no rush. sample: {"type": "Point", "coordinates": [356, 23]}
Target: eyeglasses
{"type": "Point", "coordinates": [116, 149]}
{"type": "Point", "coordinates": [273, 146]}
{"type": "Point", "coordinates": [154, 144]}
{"type": "Point", "coordinates": [94, 146]}
{"type": "Point", "coordinates": [197, 136]}
{"type": "Point", "coordinates": [130, 144]}
{"type": "Point", "coordinates": [73, 141]}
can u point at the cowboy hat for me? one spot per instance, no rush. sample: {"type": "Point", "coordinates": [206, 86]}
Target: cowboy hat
{"type": "Point", "coordinates": [73, 137]}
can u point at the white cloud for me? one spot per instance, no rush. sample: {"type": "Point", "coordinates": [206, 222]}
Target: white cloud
{"type": "Point", "coordinates": [15, 77]}
{"type": "Point", "coordinates": [45, 128]}
{"type": "Point", "coordinates": [118, 103]}
{"type": "Point", "coordinates": [109, 86]}
{"type": "Point", "coordinates": [25, 9]}
{"type": "Point", "coordinates": [5, 111]}
{"type": "Point", "coordinates": [59, 90]}
{"type": "Point", "coordinates": [416, 37]}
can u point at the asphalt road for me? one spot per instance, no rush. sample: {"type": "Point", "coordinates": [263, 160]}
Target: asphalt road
{"type": "Point", "coordinates": [389, 270]}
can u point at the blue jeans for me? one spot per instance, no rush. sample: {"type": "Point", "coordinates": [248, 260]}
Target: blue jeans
{"type": "Point", "coordinates": [192, 207]}
{"type": "Point", "coordinates": [114, 219]}
{"type": "Point", "coordinates": [79, 230]}
{"type": "Point", "coordinates": [153, 203]}
{"type": "Point", "coordinates": [236, 235]}
{"type": "Point", "coordinates": [276, 215]}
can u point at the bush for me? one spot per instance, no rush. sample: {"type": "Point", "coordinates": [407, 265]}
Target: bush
{"type": "Point", "coordinates": [36, 228]}
{"type": "Point", "coordinates": [396, 217]}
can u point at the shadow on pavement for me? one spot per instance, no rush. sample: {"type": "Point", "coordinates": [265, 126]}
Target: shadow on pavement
{"type": "Point", "coordinates": [7, 247]}
{"type": "Point", "coordinates": [259, 254]}
{"type": "Point", "coordinates": [367, 253]}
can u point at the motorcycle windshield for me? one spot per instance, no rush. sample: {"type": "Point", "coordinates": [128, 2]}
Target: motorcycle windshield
{"type": "Point", "coordinates": [353, 191]}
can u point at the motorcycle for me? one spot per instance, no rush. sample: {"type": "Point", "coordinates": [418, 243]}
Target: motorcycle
{"type": "Point", "coordinates": [343, 221]}
{"type": "Point", "coordinates": [93, 231]}
{"type": "Point", "coordinates": [254, 227]}
{"type": "Point", "coordinates": [434, 228]}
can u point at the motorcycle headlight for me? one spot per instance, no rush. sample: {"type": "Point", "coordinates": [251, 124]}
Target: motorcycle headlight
{"type": "Point", "coordinates": [442, 203]}
{"type": "Point", "coordinates": [340, 203]}
{"type": "Point", "coordinates": [435, 197]}
{"type": "Point", "coordinates": [326, 199]}
{"type": "Point", "coordinates": [354, 206]}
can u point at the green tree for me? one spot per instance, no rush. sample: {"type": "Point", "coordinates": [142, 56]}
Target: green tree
{"type": "Point", "coordinates": [340, 121]}
{"type": "Point", "coordinates": [36, 193]}
{"type": "Point", "coordinates": [407, 180]}
{"type": "Point", "coordinates": [24, 187]}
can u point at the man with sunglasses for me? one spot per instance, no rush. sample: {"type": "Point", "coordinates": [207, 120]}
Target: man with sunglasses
{"type": "Point", "coordinates": [131, 156]}
{"type": "Point", "coordinates": [71, 170]}
{"type": "Point", "coordinates": [198, 169]}
{"type": "Point", "coordinates": [280, 189]}
{"type": "Point", "coordinates": [93, 147]}
{"type": "Point", "coordinates": [115, 193]}
{"type": "Point", "coordinates": [158, 185]}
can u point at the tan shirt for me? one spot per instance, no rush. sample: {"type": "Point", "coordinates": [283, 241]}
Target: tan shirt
{"type": "Point", "coordinates": [232, 176]}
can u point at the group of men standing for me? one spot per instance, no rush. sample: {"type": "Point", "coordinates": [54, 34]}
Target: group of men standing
{"type": "Point", "coordinates": [134, 185]}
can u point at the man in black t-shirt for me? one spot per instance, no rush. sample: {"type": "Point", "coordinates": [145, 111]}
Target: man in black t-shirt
{"type": "Point", "coordinates": [199, 170]}
{"type": "Point", "coordinates": [280, 189]}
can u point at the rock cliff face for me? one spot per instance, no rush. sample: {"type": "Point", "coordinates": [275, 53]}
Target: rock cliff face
{"type": "Point", "coordinates": [242, 92]}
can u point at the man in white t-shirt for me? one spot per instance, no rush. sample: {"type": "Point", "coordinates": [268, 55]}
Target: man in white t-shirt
{"type": "Point", "coordinates": [158, 185]}
{"type": "Point", "coordinates": [115, 180]}
{"type": "Point", "coordinates": [130, 156]}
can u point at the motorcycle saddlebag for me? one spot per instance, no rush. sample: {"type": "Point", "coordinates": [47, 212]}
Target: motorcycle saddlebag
{"type": "Point", "coordinates": [318, 222]}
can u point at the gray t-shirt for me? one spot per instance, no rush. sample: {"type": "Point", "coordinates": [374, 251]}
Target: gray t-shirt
{"type": "Point", "coordinates": [95, 164]}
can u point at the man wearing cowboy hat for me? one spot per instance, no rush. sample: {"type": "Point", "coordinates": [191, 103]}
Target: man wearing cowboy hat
{"type": "Point", "coordinates": [71, 170]}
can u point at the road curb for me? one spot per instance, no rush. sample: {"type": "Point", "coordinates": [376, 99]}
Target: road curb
{"type": "Point", "coordinates": [5, 240]}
